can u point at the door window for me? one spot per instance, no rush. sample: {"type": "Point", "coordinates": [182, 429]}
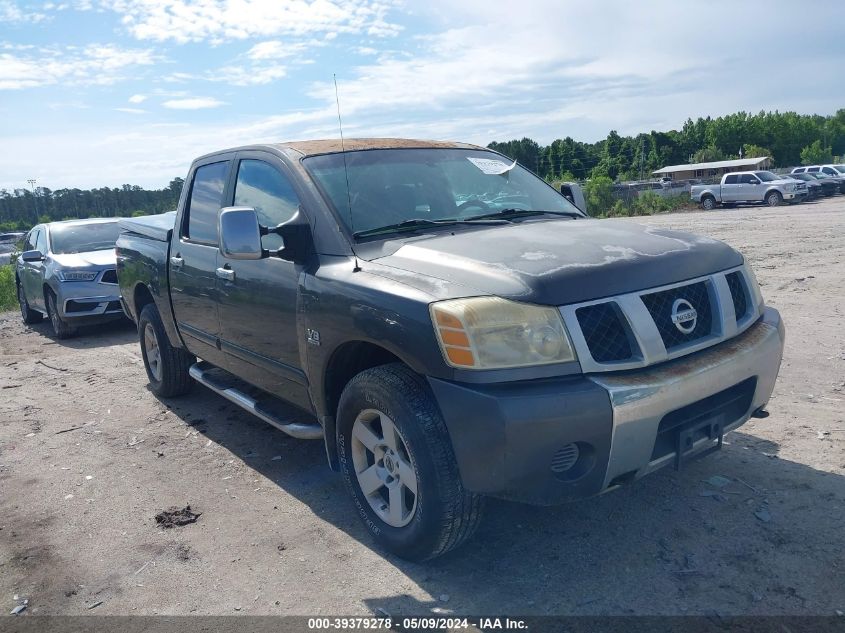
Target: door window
{"type": "Point", "coordinates": [31, 239]}
{"type": "Point", "coordinates": [731, 180]}
{"type": "Point", "coordinates": [41, 241]}
{"type": "Point", "coordinates": [204, 205]}
{"type": "Point", "coordinates": [812, 169]}
{"type": "Point", "coordinates": [748, 179]}
{"type": "Point", "coordinates": [269, 192]}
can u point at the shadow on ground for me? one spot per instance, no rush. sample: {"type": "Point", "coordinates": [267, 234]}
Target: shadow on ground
{"type": "Point", "coordinates": [734, 548]}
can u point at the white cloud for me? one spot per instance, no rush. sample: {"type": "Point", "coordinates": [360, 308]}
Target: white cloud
{"type": "Point", "coordinates": [194, 103]}
{"type": "Point", "coordinates": [222, 20]}
{"type": "Point", "coordinates": [11, 12]}
{"type": "Point", "coordinates": [276, 49]}
{"type": "Point", "coordinates": [137, 98]}
{"type": "Point", "coordinates": [92, 65]}
{"type": "Point", "coordinates": [131, 110]}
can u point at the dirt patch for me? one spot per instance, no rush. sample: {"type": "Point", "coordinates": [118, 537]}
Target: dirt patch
{"type": "Point", "coordinates": [175, 517]}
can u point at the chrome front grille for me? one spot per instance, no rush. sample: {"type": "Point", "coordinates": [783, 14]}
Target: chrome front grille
{"type": "Point", "coordinates": [736, 283]}
{"type": "Point", "coordinates": [661, 307]}
{"type": "Point", "coordinates": [650, 326]}
{"type": "Point", "coordinates": [605, 332]}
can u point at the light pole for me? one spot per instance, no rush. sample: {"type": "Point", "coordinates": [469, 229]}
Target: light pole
{"type": "Point", "coordinates": [31, 182]}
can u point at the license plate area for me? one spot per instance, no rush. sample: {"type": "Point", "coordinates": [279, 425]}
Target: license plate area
{"type": "Point", "coordinates": [689, 438]}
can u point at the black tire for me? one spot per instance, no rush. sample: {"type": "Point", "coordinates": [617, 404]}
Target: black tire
{"type": "Point", "coordinates": [708, 203]}
{"type": "Point", "coordinates": [774, 199]}
{"type": "Point", "coordinates": [28, 315]}
{"type": "Point", "coordinates": [168, 375]}
{"type": "Point", "coordinates": [61, 328]}
{"type": "Point", "coordinates": [445, 515]}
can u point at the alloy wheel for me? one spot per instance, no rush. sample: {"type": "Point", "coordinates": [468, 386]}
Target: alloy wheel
{"type": "Point", "coordinates": [153, 352]}
{"type": "Point", "coordinates": [384, 468]}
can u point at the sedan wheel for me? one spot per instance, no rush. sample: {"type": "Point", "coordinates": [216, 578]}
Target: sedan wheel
{"type": "Point", "coordinates": [384, 468]}
{"type": "Point", "coordinates": [153, 351]}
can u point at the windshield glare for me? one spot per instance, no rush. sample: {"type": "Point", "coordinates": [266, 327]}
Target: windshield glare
{"type": "Point", "coordinates": [82, 238]}
{"type": "Point", "coordinates": [394, 185]}
{"type": "Point", "coordinates": [767, 176]}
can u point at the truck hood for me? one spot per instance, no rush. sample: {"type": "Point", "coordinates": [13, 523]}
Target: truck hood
{"type": "Point", "coordinates": [91, 259]}
{"type": "Point", "coordinates": [555, 262]}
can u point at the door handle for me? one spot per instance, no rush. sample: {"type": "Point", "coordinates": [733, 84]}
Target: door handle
{"type": "Point", "coordinates": [226, 273]}
{"type": "Point", "coordinates": [176, 261]}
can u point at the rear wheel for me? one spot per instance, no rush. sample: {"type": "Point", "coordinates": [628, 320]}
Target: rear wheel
{"type": "Point", "coordinates": [708, 203]}
{"type": "Point", "coordinates": [61, 328]}
{"type": "Point", "coordinates": [28, 315]}
{"type": "Point", "coordinates": [167, 366]}
{"type": "Point", "coordinates": [399, 465]}
{"type": "Point", "coordinates": [774, 199]}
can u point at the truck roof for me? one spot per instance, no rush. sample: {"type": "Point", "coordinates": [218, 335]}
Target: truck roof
{"type": "Point", "coordinates": [332, 146]}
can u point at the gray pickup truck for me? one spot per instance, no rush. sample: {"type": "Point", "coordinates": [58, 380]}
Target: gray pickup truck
{"type": "Point", "coordinates": [749, 187]}
{"type": "Point", "coordinates": [448, 324]}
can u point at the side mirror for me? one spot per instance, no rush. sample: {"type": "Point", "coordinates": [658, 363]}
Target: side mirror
{"type": "Point", "coordinates": [240, 233]}
{"type": "Point", "coordinates": [296, 235]}
{"type": "Point", "coordinates": [572, 192]}
{"type": "Point", "coordinates": [32, 256]}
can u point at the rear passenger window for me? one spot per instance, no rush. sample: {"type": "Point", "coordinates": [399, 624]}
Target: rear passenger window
{"type": "Point", "coordinates": [812, 169]}
{"type": "Point", "coordinates": [731, 180]}
{"type": "Point", "coordinates": [270, 193]}
{"type": "Point", "coordinates": [204, 205]}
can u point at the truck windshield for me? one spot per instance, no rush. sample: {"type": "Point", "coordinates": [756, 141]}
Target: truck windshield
{"type": "Point", "coordinates": [429, 186]}
{"type": "Point", "coordinates": [82, 238]}
{"type": "Point", "coordinates": [767, 176]}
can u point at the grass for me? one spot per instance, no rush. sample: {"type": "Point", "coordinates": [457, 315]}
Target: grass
{"type": "Point", "coordinates": [8, 296]}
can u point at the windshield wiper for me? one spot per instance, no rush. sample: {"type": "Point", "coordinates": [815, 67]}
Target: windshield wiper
{"type": "Point", "coordinates": [514, 213]}
{"type": "Point", "coordinates": [414, 223]}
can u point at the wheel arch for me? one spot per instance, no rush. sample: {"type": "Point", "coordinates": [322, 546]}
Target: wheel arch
{"type": "Point", "coordinates": [345, 362]}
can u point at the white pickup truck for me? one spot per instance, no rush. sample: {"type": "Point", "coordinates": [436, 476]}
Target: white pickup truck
{"type": "Point", "coordinates": [749, 186]}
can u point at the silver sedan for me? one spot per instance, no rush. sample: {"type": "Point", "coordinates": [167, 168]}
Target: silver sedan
{"type": "Point", "coordinates": [67, 273]}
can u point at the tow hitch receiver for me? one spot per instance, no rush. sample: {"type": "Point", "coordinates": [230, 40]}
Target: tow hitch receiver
{"type": "Point", "coordinates": [687, 437]}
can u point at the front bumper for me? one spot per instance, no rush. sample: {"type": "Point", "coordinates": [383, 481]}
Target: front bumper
{"type": "Point", "coordinates": [507, 437]}
{"type": "Point", "coordinates": [82, 299]}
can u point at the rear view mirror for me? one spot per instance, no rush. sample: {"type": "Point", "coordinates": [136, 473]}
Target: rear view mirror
{"type": "Point", "coordinates": [240, 233]}
{"type": "Point", "coordinates": [32, 256]}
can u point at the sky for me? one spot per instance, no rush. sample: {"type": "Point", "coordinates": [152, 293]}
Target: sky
{"type": "Point", "coordinates": [106, 92]}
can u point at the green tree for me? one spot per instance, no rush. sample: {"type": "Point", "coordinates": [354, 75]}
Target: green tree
{"type": "Point", "coordinates": [814, 154]}
{"type": "Point", "coordinates": [708, 154]}
{"type": "Point", "coordinates": [598, 192]}
{"type": "Point", "coordinates": [749, 150]}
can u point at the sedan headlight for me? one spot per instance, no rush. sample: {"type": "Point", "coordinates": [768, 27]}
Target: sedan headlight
{"type": "Point", "coordinates": [495, 333]}
{"type": "Point", "coordinates": [76, 275]}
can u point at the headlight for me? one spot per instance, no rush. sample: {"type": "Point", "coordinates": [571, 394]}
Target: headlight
{"type": "Point", "coordinates": [494, 333]}
{"type": "Point", "coordinates": [76, 275]}
{"type": "Point", "coordinates": [753, 286]}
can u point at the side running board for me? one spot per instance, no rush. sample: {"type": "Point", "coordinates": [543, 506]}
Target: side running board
{"type": "Point", "coordinates": [206, 374]}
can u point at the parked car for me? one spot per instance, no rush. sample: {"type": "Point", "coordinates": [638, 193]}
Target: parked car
{"type": "Point", "coordinates": [830, 170]}
{"type": "Point", "coordinates": [814, 187]}
{"type": "Point", "coordinates": [830, 186]}
{"type": "Point", "coordinates": [838, 181]}
{"type": "Point", "coordinates": [67, 273]}
{"type": "Point", "coordinates": [445, 348]}
{"type": "Point", "coordinates": [749, 187]}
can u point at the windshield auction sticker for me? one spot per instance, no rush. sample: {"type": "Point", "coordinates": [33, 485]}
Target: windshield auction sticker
{"type": "Point", "coordinates": [491, 166]}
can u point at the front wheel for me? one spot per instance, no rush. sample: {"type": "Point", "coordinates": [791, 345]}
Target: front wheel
{"type": "Point", "coordinates": [399, 466]}
{"type": "Point", "coordinates": [774, 199]}
{"type": "Point", "coordinates": [61, 328]}
{"type": "Point", "coordinates": [167, 366]}
{"type": "Point", "coordinates": [28, 315]}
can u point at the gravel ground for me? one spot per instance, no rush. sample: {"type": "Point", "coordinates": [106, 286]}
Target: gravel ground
{"type": "Point", "coordinates": [89, 457]}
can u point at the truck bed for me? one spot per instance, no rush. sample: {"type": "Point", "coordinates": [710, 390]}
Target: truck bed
{"type": "Point", "coordinates": [158, 227]}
